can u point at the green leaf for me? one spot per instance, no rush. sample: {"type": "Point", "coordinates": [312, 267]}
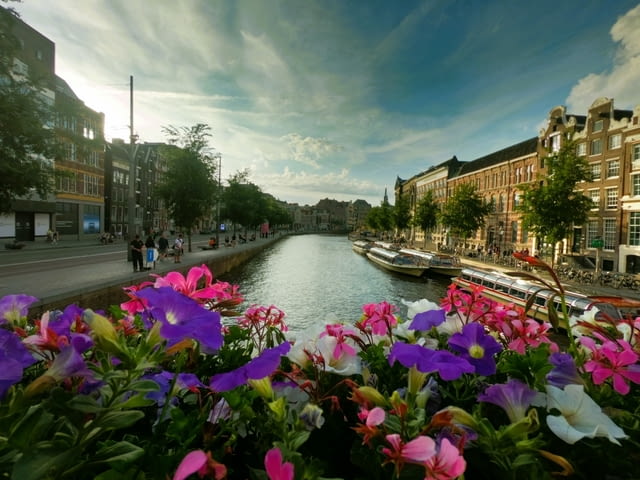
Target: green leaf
{"type": "Point", "coordinates": [85, 404]}
{"type": "Point", "coordinates": [119, 419]}
{"type": "Point", "coordinates": [118, 455]}
{"type": "Point", "coordinates": [31, 428]}
{"type": "Point", "coordinates": [144, 386]}
{"type": "Point", "coordinates": [298, 439]}
{"type": "Point", "coordinates": [43, 463]}
{"type": "Point", "coordinates": [136, 401]}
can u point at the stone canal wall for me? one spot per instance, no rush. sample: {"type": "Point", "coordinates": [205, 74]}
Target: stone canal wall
{"type": "Point", "coordinates": [111, 292]}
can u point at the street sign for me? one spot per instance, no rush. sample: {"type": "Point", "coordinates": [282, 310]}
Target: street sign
{"type": "Point", "coordinates": [597, 243]}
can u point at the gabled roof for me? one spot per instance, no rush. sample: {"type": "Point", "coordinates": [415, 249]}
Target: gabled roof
{"type": "Point", "coordinates": [518, 150]}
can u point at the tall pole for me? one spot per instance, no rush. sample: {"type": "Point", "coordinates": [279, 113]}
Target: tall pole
{"type": "Point", "coordinates": [131, 205]}
{"type": "Point", "coordinates": [219, 156]}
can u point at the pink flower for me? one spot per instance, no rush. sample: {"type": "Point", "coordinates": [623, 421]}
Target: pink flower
{"type": "Point", "coordinates": [418, 450]}
{"type": "Point", "coordinates": [446, 464]}
{"type": "Point", "coordinates": [198, 284]}
{"type": "Point", "coordinates": [379, 317]}
{"type": "Point", "coordinates": [276, 470]}
{"type": "Point", "coordinates": [615, 360]}
{"type": "Point", "coordinates": [341, 334]}
{"type": "Point", "coordinates": [372, 419]}
{"type": "Point", "coordinates": [201, 463]}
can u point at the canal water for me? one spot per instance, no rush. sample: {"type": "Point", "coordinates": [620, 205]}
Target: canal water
{"type": "Point", "coordinates": [317, 277]}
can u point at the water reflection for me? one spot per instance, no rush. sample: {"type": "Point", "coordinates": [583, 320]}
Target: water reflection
{"type": "Point", "coordinates": [311, 276]}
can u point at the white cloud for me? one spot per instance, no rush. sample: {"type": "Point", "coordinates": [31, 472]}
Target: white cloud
{"type": "Point", "coordinates": [621, 83]}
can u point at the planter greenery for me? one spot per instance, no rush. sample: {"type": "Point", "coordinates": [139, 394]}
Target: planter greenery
{"type": "Point", "coordinates": [175, 384]}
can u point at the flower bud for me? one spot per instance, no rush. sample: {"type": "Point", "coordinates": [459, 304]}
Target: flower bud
{"type": "Point", "coordinates": [263, 387]}
{"type": "Point", "coordinates": [372, 396]}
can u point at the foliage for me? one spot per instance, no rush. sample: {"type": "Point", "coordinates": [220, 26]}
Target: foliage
{"type": "Point", "coordinates": [162, 386]}
{"type": "Point", "coordinates": [465, 211]}
{"type": "Point", "coordinates": [552, 206]}
{"type": "Point", "coordinates": [427, 211]}
{"type": "Point", "coordinates": [380, 218]}
{"type": "Point", "coordinates": [27, 145]}
{"type": "Point", "coordinates": [402, 214]}
{"type": "Point", "coordinates": [188, 188]}
{"type": "Point", "coordinates": [243, 202]}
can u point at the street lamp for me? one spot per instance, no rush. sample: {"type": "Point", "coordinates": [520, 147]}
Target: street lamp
{"type": "Point", "coordinates": [219, 157]}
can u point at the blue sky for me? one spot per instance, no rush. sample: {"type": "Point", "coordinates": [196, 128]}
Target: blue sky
{"type": "Point", "coordinates": [337, 98]}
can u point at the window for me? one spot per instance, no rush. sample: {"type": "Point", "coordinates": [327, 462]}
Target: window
{"type": "Point", "coordinates": [514, 232]}
{"type": "Point", "coordinates": [596, 146]}
{"type": "Point", "coordinates": [613, 168]}
{"type": "Point", "coordinates": [615, 141]}
{"type": "Point", "coordinates": [595, 198]}
{"type": "Point", "coordinates": [581, 149]}
{"type": "Point", "coordinates": [592, 232]}
{"type": "Point", "coordinates": [598, 125]}
{"type": "Point", "coordinates": [612, 197]}
{"type": "Point", "coordinates": [634, 229]}
{"type": "Point", "coordinates": [635, 184]}
{"type": "Point", "coordinates": [636, 153]}
{"type": "Point", "coordinates": [609, 234]}
{"type": "Point", "coordinates": [91, 185]}
{"type": "Point", "coordinates": [595, 171]}
{"type": "Point", "coordinates": [555, 143]}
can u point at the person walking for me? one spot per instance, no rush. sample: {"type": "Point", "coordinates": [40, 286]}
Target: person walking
{"type": "Point", "coordinates": [151, 252]}
{"type": "Point", "coordinates": [136, 253]}
{"type": "Point", "coordinates": [178, 247]}
{"type": "Point", "coordinates": [163, 246]}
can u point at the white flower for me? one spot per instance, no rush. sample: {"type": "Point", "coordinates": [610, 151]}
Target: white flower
{"type": "Point", "coordinates": [453, 324]}
{"type": "Point", "coordinates": [419, 306]}
{"type": "Point", "coordinates": [580, 416]}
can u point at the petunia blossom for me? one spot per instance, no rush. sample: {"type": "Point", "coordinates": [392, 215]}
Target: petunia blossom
{"type": "Point", "coordinates": [515, 398]}
{"type": "Point", "coordinates": [579, 417]}
{"type": "Point", "coordinates": [14, 308]}
{"type": "Point", "coordinates": [446, 464]}
{"type": "Point", "coordinates": [259, 367]}
{"type": "Point", "coordinates": [427, 320]}
{"type": "Point", "coordinates": [276, 468]}
{"type": "Point", "coordinates": [181, 317]}
{"type": "Point", "coordinates": [14, 358]}
{"type": "Point", "coordinates": [477, 347]}
{"type": "Point", "coordinates": [448, 365]}
{"type": "Point", "coordinates": [564, 371]}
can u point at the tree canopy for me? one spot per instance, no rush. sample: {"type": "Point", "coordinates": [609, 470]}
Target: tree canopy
{"type": "Point", "coordinates": [402, 213]}
{"type": "Point", "coordinates": [465, 211]}
{"type": "Point", "coordinates": [427, 210]}
{"type": "Point", "coordinates": [243, 202]}
{"type": "Point", "coordinates": [27, 145]}
{"type": "Point", "coordinates": [552, 206]}
{"type": "Point", "coordinates": [188, 188]}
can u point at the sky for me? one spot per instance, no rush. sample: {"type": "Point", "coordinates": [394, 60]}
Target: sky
{"type": "Point", "coordinates": [338, 98]}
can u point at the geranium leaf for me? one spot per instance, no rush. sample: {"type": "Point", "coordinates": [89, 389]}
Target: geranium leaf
{"type": "Point", "coordinates": [118, 455]}
{"type": "Point", "coordinates": [119, 419]}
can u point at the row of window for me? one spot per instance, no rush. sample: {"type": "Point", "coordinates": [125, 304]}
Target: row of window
{"type": "Point", "coordinates": [84, 184]}
{"type": "Point", "coordinates": [84, 156]}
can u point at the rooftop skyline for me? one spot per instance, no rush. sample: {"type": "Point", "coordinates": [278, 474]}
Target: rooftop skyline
{"type": "Point", "coordinates": [334, 99]}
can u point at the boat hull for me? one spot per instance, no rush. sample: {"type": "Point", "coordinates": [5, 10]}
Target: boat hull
{"type": "Point", "coordinates": [413, 270]}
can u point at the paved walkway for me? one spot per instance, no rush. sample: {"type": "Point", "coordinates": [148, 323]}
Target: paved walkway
{"type": "Point", "coordinates": [50, 285]}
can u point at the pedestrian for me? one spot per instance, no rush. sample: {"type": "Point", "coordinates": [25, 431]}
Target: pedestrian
{"type": "Point", "coordinates": [151, 252]}
{"type": "Point", "coordinates": [178, 247]}
{"type": "Point", "coordinates": [163, 246]}
{"type": "Point", "coordinates": [136, 253]}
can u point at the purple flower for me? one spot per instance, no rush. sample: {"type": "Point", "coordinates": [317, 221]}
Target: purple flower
{"type": "Point", "coordinates": [564, 371]}
{"type": "Point", "coordinates": [14, 358]}
{"type": "Point", "coordinates": [13, 308]}
{"type": "Point", "coordinates": [68, 363]}
{"type": "Point", "coordinates": [515, 397]}
{"type": "Point", "coordinates": [260, 367]}
{"type": "Point", "coordinates": [448, 365]}
{"type": "Point", "coordinates": [164, 379]}
{"type": "Point", "coordinates": [181, 317]}
{"type": "Point", "coordinates": [475, 345]}
{"type": "Point", "coordinates": [427, 320]}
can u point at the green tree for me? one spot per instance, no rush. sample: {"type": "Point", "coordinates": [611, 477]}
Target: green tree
{"type": "Point", "coordinates": [402, 214]}
{"type": "Point", "coordinates": [552, 206]}
{"type": "Point", "coordinates": [188, 188]}
{"type": "Point", "coordinates": [465, 211]}
{"type": "Point", "coordinates": [426, 217]}
{"type": "Point", "coordinates": [27, 144]}
{"type": "Point", "coordinates": [243, 202]}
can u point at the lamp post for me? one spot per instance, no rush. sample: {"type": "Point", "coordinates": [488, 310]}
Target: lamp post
{"type": "Point", "coordinates": [500, 234]}
{"type": "Point", "coordinates": [219, 157]}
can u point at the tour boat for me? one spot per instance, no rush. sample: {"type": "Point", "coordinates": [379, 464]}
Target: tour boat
{"type": "Point", "coordinates": [440, 263]}
{"type": "Point", "coordinates": [512, 290]}
{"type": "Point", "coordinates": [361, 246]}
{"type": "Point", "coordinates": [396, 261]}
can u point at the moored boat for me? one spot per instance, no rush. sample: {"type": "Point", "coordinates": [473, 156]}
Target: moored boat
{"type": "Point", "coordinates": [361, 246]}
{"type": "Point", "coordinates": [512, 290]}
{"type": "Point", "coordinates": [440, 263]}
{"type": "Point", "coordinates": [396, 261]}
